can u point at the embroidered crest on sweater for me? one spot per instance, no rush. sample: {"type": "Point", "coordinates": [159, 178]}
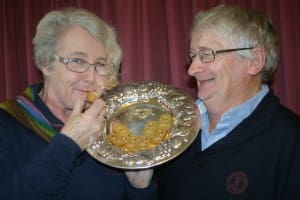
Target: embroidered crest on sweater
{"type": "Point", "coordinates": [237, 182]}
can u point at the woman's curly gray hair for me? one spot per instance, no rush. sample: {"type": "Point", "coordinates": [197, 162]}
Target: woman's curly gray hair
{"type": "Point", "coordinates": [55, 23]}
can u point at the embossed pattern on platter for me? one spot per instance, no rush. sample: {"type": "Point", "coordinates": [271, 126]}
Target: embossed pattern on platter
{"type": "Point", "coordinates": [151, 99]}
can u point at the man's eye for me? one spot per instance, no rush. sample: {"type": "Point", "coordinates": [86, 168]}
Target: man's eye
{"type": "Point", "coordinates": [192, 56]}
{"type": "Point", "coordinates": [206, 54]}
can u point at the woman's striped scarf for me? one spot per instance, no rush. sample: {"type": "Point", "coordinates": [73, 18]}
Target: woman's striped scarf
{"type": "Point", "coordinates": [27, 114]}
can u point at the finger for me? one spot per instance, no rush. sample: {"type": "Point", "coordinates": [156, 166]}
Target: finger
{"type": "Point", "coordinates": [103, 111]}
{"type": "Point", "coordinates": [96, 108]}
{"type": "Point", "coordinates": [78, 107]}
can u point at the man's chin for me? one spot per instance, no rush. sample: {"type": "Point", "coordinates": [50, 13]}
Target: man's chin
{"type": "Point", "coordinates": [204, 97]}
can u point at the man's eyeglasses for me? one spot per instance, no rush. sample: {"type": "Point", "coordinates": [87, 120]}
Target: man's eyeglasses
{"type": "Point", "coordinates": [80, 65]}
{"type": "Point", "coordinates": [208, 55]}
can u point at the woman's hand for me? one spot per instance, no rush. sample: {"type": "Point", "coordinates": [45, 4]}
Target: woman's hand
{"type": "Point", "coordinates": [85, 127]}
{"type": "Point", "coordinates": [140, 178]}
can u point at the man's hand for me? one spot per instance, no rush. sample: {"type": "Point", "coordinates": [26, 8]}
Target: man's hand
{"type": "Point", "coordinates": [140, 178]}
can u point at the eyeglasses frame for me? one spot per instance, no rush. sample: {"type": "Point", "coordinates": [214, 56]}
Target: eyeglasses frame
{"type": "Point", "coordinates": [216, 52]}
{"type": "Point", "coordinates": [66, 61]}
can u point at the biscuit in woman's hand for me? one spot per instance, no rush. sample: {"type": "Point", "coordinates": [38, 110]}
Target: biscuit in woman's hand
{"type": "Point", "coordinates": [91, 96]}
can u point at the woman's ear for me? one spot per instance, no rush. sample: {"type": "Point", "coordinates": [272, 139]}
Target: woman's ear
{"type": "Point", "coordinates": [45, 70]}
{"type": "Point", "coordinates": [257, 63]}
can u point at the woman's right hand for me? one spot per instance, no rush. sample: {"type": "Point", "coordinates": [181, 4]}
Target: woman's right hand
{"type": "Point", "coordinates": [84, 127]}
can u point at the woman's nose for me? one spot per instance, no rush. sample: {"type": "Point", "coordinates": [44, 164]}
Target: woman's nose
{"type": "Point", "coordinates": [91, 74]}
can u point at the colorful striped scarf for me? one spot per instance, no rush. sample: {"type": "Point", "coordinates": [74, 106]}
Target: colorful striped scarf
{"type": "Point", "coordinates": [27, 114]}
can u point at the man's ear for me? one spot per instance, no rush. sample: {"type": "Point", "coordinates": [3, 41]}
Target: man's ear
{"type": "Point", "coordinates": [46, 70]}
{"type": "Point", "coordinates": [257, 63]}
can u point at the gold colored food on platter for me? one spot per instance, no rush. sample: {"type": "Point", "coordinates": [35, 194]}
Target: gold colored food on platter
{"type": "Point", "coordinates": [153, 134]}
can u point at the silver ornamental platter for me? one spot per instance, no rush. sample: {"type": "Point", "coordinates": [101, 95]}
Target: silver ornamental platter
{"type": "Point", "coordinates": [135, 105]}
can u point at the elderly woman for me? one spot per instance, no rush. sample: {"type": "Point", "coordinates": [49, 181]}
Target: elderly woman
{"type": "Point", "coordinates": [248, 146]}
{"type": "Point", "coordinates": [44, 132]}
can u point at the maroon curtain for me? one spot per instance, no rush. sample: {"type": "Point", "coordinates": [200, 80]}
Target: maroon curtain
{"type": "Point", "coordinates": [153, 35]}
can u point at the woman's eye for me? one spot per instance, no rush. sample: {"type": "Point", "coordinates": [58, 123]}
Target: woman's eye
{"type": "Point", "coordinates": [101, 64]}
{"type": "Point", "coordinates": [77, 61]}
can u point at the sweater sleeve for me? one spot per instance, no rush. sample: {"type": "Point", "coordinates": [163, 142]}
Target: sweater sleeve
{"type": "Point", "coordinates": [292, 186]}
{"type": "Point", "coordinates": [44, 176]}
